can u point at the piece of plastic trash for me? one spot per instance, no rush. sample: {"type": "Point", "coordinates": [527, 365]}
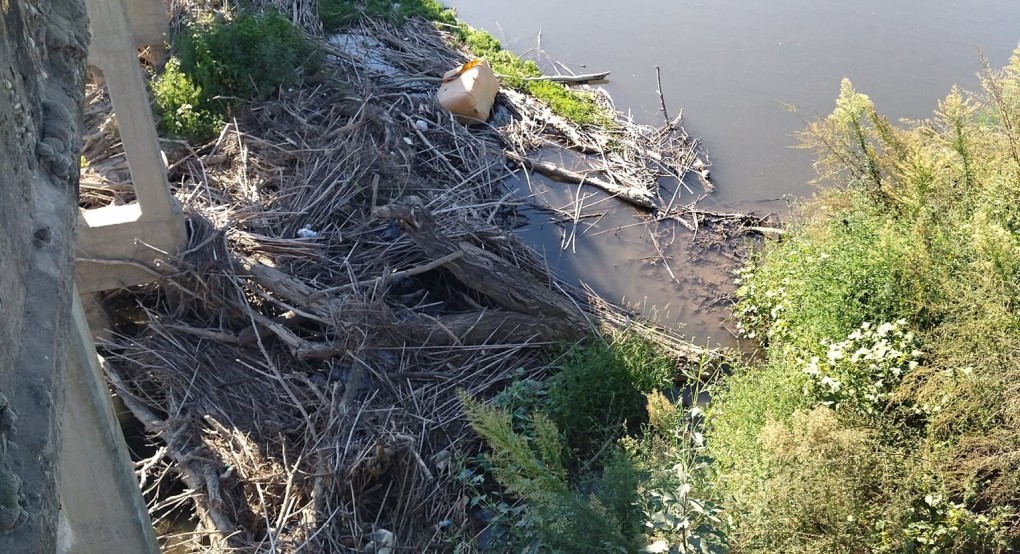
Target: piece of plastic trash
{"type": "Point", "coordinates": [306, 232]}
{"type": "Point", "coordinates": [382, 542]}
{"type": "Point", "coordinates": [469, 91]}
{"type": "Point", "coordinates": [422, 125]}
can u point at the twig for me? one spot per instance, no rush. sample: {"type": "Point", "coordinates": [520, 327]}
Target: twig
{"type": "Point", "coordinates": [638, 196]}
{"type": "Point", "coordinates": [662, 99]}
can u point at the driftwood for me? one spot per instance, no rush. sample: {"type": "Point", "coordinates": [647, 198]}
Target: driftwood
{"type": "Point", "coordinates": [487, 327]}
{"type": "Point", "coordinates": [506, 284]}
{"type": "Point", "coordinates": [570, 133]}
{"type": "Point", "coordinates": [638, 196]}
{"type": "Point", "coordinates": [530, 310]}
{"type": "Point", "coordinates": [572, 79]}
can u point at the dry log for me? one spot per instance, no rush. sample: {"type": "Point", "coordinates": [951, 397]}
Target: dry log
{"type": "Point", "coordinates": [508, 285]}
{"type": "Point", "coordinates": [559, 125]}
{"type": "Point", "coordinates": [537, 311]}
{"type": "Point", "coordinates": [768, 231]}
{"type": "Point", "coordinates": [572, 79]}
{"type": "Point", "coordinates": [637, 196]}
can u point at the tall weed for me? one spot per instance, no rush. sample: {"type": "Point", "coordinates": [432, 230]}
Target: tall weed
{"type": "Point", "coordinates": [884, 417]}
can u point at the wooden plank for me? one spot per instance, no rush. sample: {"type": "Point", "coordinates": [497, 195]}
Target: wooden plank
{"type": "Point", "coordinates": [103, 509]}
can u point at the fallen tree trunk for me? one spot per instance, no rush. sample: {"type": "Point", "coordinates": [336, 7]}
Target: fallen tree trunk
{"type": "Point", "coordinates": [637, 196]}
{"type": "Point", "coordinates": [508, 285]}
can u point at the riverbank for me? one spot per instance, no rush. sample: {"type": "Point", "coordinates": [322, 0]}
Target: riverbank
{"type": "Point", "coordinates": [890, 325]}
{"type": "Point", "coordinates": [351, 266]}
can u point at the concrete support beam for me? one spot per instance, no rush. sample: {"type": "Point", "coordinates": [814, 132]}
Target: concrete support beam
{"type": "Point", "coordinates": [102, 506]}
{"type": "Point", "coordinates": [116, 244]}
{"type": "Point", "coordinates": [148, 22]}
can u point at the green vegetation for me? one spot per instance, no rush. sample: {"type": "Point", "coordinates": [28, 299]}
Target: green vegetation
{"type": "Point", "coordinates": [338, 14]}
{"type": "Point", "coordinates": [885, 417]}
{"type": "Point", "coordinates": [577, 106]}
{"type": "Point", "coordinates": [601, 458]}
{"type": "Point", "coordinates": [179, 102]}
{"type": "Point", "coordinates": [221, 65]}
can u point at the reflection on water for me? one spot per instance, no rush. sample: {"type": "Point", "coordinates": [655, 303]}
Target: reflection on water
{"type": "Point", "coordinates": [732, 65]}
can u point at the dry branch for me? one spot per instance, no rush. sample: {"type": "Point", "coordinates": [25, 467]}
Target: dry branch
{"type": "Point", "coordinates": [508, 285]}
{"type": "Point", "coordinates": [582, 79]}
{"type": "Point", "coordinates": [637, 196]}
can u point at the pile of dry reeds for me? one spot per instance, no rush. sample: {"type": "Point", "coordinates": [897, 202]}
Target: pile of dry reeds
{"type": "Point", "coordinates": [351, 266]}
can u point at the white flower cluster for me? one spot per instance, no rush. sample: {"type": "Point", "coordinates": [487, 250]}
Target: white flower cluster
{"type": "Point", "coordinates": [865, 367]}
{"type": "Point", "coordinates": [752, 305]}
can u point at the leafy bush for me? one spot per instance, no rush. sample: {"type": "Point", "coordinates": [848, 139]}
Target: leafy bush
{"type": "Point", "coordinates": [815, 449]}
{"type": "Point", "coordinates": [557, 518]}
{"type": "Point", "coordinates": [598, 392]}
{"type": "Point", "coordinates": [830, 487]}
{"type": "Point", "coordinates": [634, 467]}
{"type": "Point", "coordinates": [222, 65]}
{"type": "Point", "coordinates": [860, 372]}
{"type": "Point", "coordinates": [179, 102]}
{"type": "Point", "coordinates": [245, 59]}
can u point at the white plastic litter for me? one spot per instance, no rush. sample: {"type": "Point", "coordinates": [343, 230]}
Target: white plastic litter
{"type": "Point", "coordinates": [383, 542]}
{"type": "Point", "coordinates": [422, 125]}
{"type": "Point", "coordinates": [306, 232]}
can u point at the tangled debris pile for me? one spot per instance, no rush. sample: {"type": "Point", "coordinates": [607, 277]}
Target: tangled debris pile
{"type": "Point", "coordinates": [350, 267]}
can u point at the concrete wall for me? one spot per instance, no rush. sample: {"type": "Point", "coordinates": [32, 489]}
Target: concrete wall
{"type": "Point", "coordinates": [43, 46]}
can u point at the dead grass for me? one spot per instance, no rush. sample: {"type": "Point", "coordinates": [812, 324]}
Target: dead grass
{"type": "Point", "coordinates": [305, 387]}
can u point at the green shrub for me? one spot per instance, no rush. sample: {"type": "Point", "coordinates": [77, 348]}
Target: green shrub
{"type": "Point", "coordinates": [610, 447]}
{"type": "Point", "coordinates": [556, 519]}
{"type": "Point", "coordinates": [884, 417]}
{"type": "Point", "coordinates": [245, 59]}
{"type": "Point", "coordinates": [829, 488]}
{"type": "Point", "coordinates": [223, 65]}
{"type": "Point", "coordinates": [179, 103]}
{"type": "Point", "coordinates": [829, 277]}
{"type": "Point", "coordinates": [598, 391]}
{"type": "Point", "coordinates": [652, 494]}
{"type": "Point", "coordinates": [860, 372]}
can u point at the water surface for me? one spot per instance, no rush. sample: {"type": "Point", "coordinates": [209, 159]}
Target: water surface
{"type": "Point", "coordinates": [732, 66]}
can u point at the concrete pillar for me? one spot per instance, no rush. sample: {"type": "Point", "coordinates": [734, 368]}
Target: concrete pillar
{"type": "Point", "coordinates": [122, 246]}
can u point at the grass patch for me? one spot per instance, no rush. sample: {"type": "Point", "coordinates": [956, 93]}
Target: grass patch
{"type": "Point", "coordinates": [338, 14]}
{"type": "Point", "coordinates": [881, 419]}
{"type": "Point", "coordinates": [576, 106]}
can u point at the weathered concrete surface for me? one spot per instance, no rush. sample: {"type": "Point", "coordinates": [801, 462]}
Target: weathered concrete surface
{"type": "Point", "coordinates": [94, 463]}
{"type": "Point", "coordinates": [43, 46]}
{"type": "Point", "coordinates": [120, 246]}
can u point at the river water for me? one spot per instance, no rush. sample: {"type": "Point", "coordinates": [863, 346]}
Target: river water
{"type": "Point", "coordinates": [733, 66]}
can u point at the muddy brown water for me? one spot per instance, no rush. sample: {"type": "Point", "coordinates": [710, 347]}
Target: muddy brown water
{"type": "Point", "coordinates": [732, 65]}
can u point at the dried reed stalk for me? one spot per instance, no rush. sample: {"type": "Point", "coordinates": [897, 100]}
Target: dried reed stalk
{"type": "Point", "coordinates": [304, 388]}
